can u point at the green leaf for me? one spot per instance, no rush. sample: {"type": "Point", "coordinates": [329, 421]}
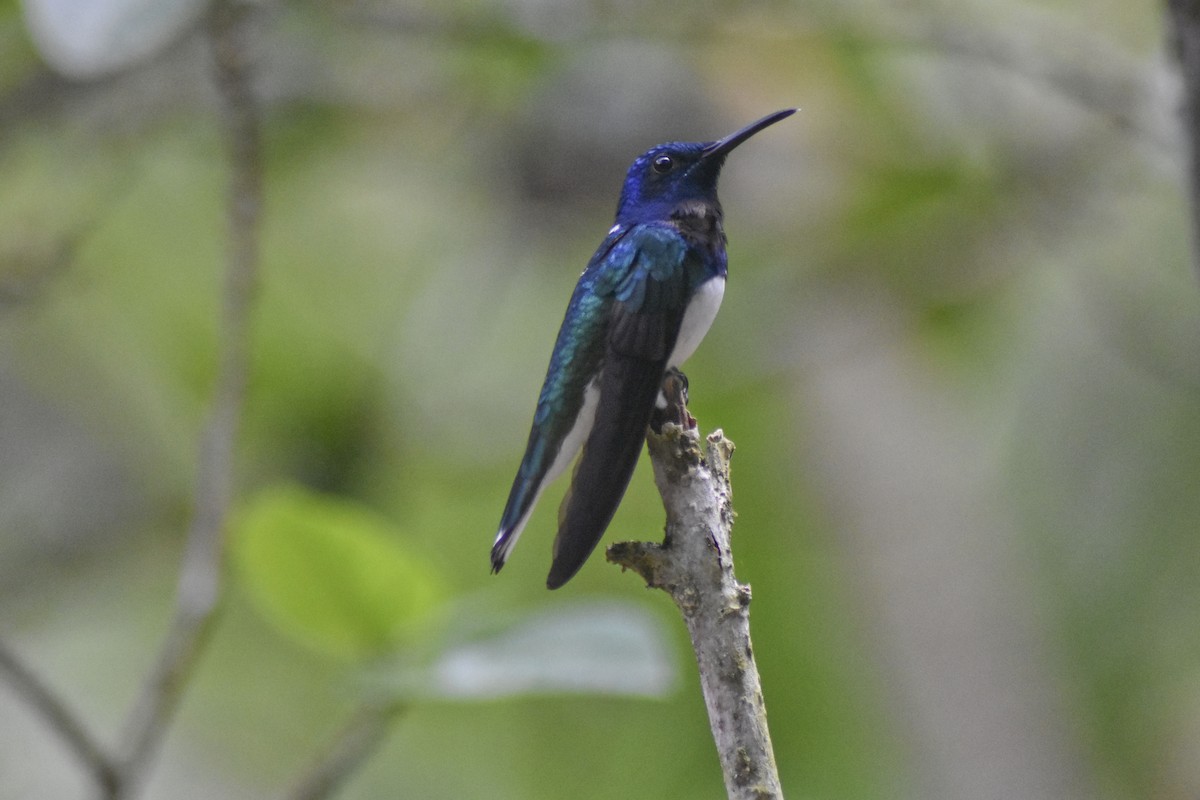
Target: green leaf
{"type": "Point", "coordinates": [590, 647]}
{"type": "Point", "coordinates": [332, 573]}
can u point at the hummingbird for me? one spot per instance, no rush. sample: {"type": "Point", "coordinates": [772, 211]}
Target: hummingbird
{"type": "Point", "coordinates": [642, 305]}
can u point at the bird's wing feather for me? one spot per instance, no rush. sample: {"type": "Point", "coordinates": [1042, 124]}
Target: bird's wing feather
{"type": "Point", "coordinates": [568, 397]}
{"type": "Point", "coordinates": [649, 300]}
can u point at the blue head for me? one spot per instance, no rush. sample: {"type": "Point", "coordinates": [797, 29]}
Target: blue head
{"type": "Point", "coordinates": [670, 176]}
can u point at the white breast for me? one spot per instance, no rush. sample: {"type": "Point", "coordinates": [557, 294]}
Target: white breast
{"type": "Point", "coordinates": [697, 319]}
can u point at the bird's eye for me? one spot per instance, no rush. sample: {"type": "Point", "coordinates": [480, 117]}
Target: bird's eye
{"type": "Point", "coordinates": [663, 164]}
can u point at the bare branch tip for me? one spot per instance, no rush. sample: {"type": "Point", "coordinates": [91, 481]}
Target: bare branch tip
{"type": "Point", "coordinates": [644, 558]}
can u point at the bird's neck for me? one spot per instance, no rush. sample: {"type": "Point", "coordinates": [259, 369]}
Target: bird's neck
{"type": "Point", "coordinates": [700, 220]}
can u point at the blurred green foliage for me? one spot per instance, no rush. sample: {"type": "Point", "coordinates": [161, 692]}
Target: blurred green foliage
{"type": "Point", "coordinates": [332, 573]}
{"type": "Point", "coordinates": [957, 355]}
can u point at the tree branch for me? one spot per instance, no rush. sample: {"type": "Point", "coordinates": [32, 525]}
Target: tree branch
{"type": "Point", "coordinates": [694, 564]}
{"type": "Point", "coordinates": [346, 752]}
{"type": "Point", "coordinates": [61, 719]}
{"type": "Point", "coordinates": [202, 571]}
{"type": "Point", "coordinates": [1184, 32]}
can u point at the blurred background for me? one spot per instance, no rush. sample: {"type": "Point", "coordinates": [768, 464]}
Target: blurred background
{"type": "Point", "coordinates": [958, 355]}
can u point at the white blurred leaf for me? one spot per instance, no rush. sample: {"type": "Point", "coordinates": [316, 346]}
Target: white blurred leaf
{"type": "Point", "coordinates": [591, 648]}
{"type": "Point", "coordinates": [90, 38]}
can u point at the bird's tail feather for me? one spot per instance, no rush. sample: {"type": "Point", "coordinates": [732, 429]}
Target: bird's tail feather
{"type": "Point", "coordinates": [610, 455]}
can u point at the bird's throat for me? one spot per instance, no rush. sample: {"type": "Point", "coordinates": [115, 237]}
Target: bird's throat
{"type": "Point", "coordinates": [700, 220]}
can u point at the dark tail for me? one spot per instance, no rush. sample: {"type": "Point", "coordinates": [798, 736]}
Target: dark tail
{"type": "Point", "coordinates": [627, 392]}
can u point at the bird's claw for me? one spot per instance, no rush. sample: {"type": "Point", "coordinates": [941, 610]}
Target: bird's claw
{"type": "Point", "coordinates": [672, 405]}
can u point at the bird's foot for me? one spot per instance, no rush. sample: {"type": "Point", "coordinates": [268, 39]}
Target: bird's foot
{"type": "Point", "coordinates": [672, 402]}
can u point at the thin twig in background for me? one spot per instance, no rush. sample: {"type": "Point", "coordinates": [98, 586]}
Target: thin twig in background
{"type": "Point", "coordinates": [202, 570]}
{"type": "Point", "coordinates": [1078, 65]}
{"type": "Point", "coordinates": [347, 751]}
{"type": "Point", "coordinates": [60, 719]}
{"type": "Point", "coordinates": [1184, 32]}
{"type": "Point", "coordinates": [694, 565]}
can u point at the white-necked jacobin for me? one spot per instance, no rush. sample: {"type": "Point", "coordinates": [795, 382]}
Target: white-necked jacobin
{"type": "Point", "coordinates": [642, 305]}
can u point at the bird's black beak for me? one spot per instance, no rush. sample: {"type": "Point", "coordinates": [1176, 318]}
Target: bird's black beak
{"type": "Point", "coordinates": [718, 149]}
